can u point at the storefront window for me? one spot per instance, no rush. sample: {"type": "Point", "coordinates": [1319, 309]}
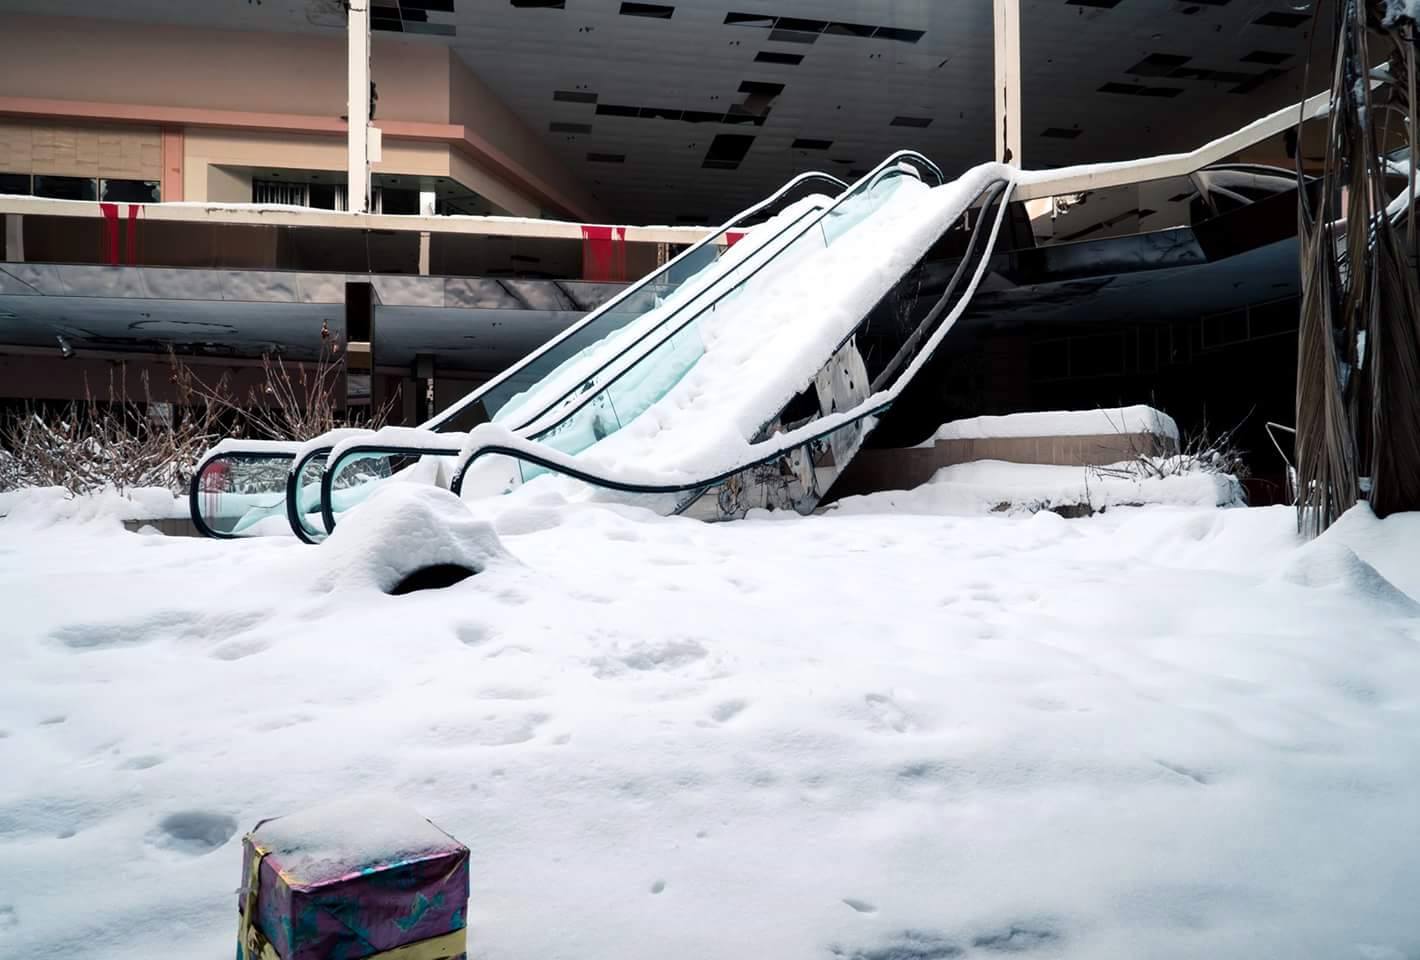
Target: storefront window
{"type": "Point", "coordinates": [18, 183]}
{"type": "Point", "coordinates": [66, 188]}
{"type": "Point", "coordinates": [130, 191]}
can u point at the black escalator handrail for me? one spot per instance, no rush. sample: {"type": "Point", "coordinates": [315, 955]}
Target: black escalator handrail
{"type": "Point", "coordinates": [293, 509]}
{"type": "Point", "coordinates": [995, 188]}
{"type": "Point", "coordinates": [435, 422]}
{"type": "Point", "coordinates": [332, 470]}
{"type": "Point", "coordinates": [538, 427]}
{"type": "Point", "coordinates": [297, 467]}
{"type": "Point", "coordinates": [909, 345]}
{"type": "Point", "coordinates": [293, 494]}
{"type": "Point", "coordinates": [293, 486]}
{"type": "Point", "coordinates": [195, 491]}
{"type": "Point", "coordinates": [865, 183]}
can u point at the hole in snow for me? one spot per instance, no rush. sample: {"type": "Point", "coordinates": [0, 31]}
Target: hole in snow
{"type": "Point", "coordinates": [436, 577]}
{"type": "Point", "coordinates": [195, 832]}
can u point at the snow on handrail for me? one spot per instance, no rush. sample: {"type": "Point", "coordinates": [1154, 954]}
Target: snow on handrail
{"type": "Point", "coordinates": [1034, 184]}
{"type": "Point", "coordinates": [283, 215]}
{"type": "Point", "coordinates": [458, 406]}
{"type": "Point", "coordinates": [489, 439]}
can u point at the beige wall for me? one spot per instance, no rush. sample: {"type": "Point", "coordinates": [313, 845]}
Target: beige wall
{"type": "Point", "coordinates": [220, 185]}
{"type": "Point", "coordinates": [67, 58]}
{"type": "Point", "coordinates": [287, 77]}
{"type": "Point", "coordinates": [474, 105]}
{"type": "Point", "coordinates": [129, 153]}
{"type": "Point", "coordinates": [462, 170]}
{"type": "Point", "coordinates": [206, 150]}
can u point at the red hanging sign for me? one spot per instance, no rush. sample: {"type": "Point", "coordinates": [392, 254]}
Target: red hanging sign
{"type": "Point", "coordinates": [110, 212]}
{"type": "Point", "coordinates": [604, 254]}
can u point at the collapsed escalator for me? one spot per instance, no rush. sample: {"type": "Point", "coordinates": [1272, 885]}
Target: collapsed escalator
{"type": "Point", "coordinates": [758, 406]}
{"type": "Point", "coordinates": [247, 487]}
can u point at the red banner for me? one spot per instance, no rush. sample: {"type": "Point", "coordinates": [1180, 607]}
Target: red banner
{"type": "Point", "coordinates": [110, 212]}
{"type": "Point", "coordinates": [604, 254]}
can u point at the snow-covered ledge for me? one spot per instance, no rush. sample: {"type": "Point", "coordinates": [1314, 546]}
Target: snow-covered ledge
{"type": "Point", "coordinates": [1071, 438]}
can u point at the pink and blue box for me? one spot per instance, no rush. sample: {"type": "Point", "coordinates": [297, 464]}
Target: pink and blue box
{"type": "Point", "coordinates": [351, 884]}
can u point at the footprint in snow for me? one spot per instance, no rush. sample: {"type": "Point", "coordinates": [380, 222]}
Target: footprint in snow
{"type": "Point", "coordinates": [885, 715]}
{"type": "Point", "coordinates": [509, 693]}
{"type": "Point", "coordinates": [473, 634]}
{"type": "Point", "coordinates": [727, 711]}
{"type": "Point", "coordinates": [240, 649]}
{"type": "Point", "coordinates": [144, 762]}
{"type": "Point", "coordinates": [193, 832]}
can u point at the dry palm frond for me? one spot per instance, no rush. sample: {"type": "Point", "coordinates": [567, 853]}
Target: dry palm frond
{"type": "Point", "coordinates": [1358, 360]}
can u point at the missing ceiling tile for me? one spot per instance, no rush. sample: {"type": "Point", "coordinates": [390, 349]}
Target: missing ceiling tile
{"type": "Point", "coordinates": [1277, 18]}
{"type": "Point", "coordinates": [727, 150]}
{"type": "Point", "coordinates": [655, 11]}
{"type": "Point", "coordinates": [1269, 57]}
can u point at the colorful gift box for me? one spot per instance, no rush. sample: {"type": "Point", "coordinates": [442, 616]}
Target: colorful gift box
{"type": "Point", "coordinates": [353, 880]}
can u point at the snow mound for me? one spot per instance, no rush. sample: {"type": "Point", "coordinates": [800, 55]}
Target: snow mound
{"type": "Point", "coordinates": [39, 507]}
{"type": "Point", "coordinates": [1328, 563]}
{"type": "Point", "coordinates": [824, 737]}
{"type": "Point", "coordinates": [401, 529]}
{"type": "Point", "coordinates": [995, 486]}
{"type": "Point", "coordinates": [1060, 423]}
{"type": "Point", "coordinates": [1387, 545]}
{"type": "Point", "coordinates": [334, 839]}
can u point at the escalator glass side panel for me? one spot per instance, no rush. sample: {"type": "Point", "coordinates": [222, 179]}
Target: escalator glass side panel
{"type": "Point", "coordinates": [241, 495]}
{"type": "Point", "coordinates": [658, 295]}
{"type": "Point", "coordinates": [308, 497]}
{"type": "Point", "coordinates": [637, 319]}
{"type": "Point", "coordinates": [650, 377]}
{"type": "Point", "coordinates": [358, 474]}
{"type": "Point", "coordinates": [511, 396]}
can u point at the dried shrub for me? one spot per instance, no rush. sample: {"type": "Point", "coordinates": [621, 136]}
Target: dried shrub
{"type": "Point", "coordinates": [123, 442]}
{"type": "Point", "coordinates": [1202, 451]}
{"type": "Point", "coordinates": [120, 443]}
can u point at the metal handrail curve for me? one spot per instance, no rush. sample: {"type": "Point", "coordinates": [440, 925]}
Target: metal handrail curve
{"type": "Point", "coordinates": [864, 184]}
{"type": "Point", "coordinates": [295, 469]}
{"type": "Point", "coordinates": [998, 188]}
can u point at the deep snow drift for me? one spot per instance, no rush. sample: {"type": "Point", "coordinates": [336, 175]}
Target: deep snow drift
{"type": "Point", "coordinates": [1159, 732]}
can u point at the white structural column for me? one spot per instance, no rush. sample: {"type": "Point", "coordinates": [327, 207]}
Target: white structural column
{"type": "Point", "coordinates": [358, 106]}
{"type": "Point", "coordinates": [14, 248]}
{"type": "Point", "coordinates": [427, 202]}
{"type": "Point", "coordinates": [1006, 24]}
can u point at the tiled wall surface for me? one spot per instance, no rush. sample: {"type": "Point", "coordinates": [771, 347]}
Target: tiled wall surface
{"type": "Point", "coordinates": [127, 153]}
{"type": "Point", "coordinates": [903, 469]}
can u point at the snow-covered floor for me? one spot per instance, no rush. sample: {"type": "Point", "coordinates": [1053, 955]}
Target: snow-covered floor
{"type": "Point", "coordinates": [1158, 732]}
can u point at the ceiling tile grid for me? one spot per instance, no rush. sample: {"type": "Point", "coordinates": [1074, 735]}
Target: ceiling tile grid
{"type": "Point", "coordinates": [655, 83]}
